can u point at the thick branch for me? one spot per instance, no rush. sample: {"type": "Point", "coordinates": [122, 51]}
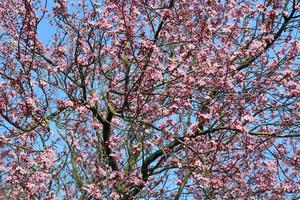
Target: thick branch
{"type": "Point", "coordinates": [106, 133]}
{"type": "Point", "coordinates": [250, 60]}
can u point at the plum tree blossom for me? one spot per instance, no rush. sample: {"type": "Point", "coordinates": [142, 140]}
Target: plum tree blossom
{"type": "Point", "coordinates": [136, 99]}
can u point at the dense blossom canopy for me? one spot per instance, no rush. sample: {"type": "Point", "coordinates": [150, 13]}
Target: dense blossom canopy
{"type": "Point", "coordinates": [149, 99]}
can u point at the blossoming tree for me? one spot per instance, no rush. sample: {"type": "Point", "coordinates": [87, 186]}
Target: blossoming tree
{"type": "Point", "coordinates": [150, 99]}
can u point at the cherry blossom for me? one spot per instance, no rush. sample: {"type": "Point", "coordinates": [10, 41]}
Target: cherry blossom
{"type": "Point", "coordinates": [149, 99]}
